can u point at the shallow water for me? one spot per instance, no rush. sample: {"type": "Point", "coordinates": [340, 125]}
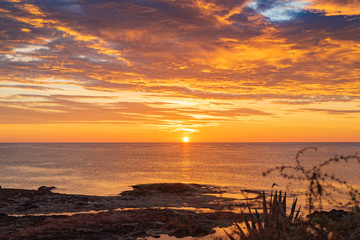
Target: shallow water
{"type": "Point", "coordinates": [110, 168]}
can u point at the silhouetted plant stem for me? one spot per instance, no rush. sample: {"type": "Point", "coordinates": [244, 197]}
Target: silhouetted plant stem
{"type": "Point", "coordinates": [320, 185]}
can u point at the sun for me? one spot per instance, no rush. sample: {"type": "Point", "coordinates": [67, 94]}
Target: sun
{"type": "Point", "coordinates": [185, 139]}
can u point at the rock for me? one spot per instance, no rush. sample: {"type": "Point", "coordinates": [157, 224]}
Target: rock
{"type": "Point", "coordinates": [128, 224]}
{"type": "Point", "coordinates": [46, 189]}
{"type": "Point", "coordinates": [26, 206]}
{"type": "Point", "coordinates": [168, 187]}
{"type": "Point", "coordinates": [335, 215]}
{"type": "Point", "coordinates": [82, 204]}
{"type": "Point", "coordinates": [355, 235]}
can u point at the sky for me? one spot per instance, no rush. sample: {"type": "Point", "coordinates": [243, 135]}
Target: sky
{"type": "Point", "coordinates": [157, 71]}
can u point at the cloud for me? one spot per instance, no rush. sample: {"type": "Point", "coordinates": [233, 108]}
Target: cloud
{"type": "Point", "coordinates": [332, 111]}
{"type": "Point", "coordinates": [336, 7]}
{"type": "Point", "coordinates": [77, 108]}
{"type": "Point", "coordinates": [238, 112]}
{"type": "Point", "coordinates": [278, 10]}
{"type": "Point", "coordinates": [224, 55]}
{"type": "Point", "coordinates": [68, 109]}
{"type": "Point", "coordinates": [28, 87]}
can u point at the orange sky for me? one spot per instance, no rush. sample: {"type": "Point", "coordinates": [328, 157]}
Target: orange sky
{"type": "Point", "coordinates": [156, 71]}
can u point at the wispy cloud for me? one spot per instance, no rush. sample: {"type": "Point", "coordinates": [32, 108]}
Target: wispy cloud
{"type": "Point", "coordinates": [332, 111]}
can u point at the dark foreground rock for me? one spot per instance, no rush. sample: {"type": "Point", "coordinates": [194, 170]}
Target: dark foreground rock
{"type": "Point", "coordinates": [171, 188]}
{"type": "Point", "coordinates": [334, 215]}
{"type": "Point", "coordinates": [129, 224]}
{"type": "Point", "coordinates": [21, 201]}
{"type": "Point", "coordinates": [175, 209]}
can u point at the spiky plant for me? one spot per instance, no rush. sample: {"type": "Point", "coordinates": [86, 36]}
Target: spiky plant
{"type": "Point", "coordinates": [274, 223]}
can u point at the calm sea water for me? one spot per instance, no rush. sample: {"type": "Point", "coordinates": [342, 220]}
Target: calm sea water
{"type": "Point", "coordinates": [109, 168]}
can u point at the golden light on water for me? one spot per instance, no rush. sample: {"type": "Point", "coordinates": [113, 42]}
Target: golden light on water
{"type": "Point", "coordinates": [185, 139]}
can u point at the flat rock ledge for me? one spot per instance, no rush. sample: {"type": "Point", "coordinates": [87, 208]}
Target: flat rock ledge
{"type": "Point", "coordinates": [175, 209]}
{"type": "Point", "coordinates": [127, 224]}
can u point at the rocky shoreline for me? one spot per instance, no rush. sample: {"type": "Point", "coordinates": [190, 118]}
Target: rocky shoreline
{"type": "Point", "coordinates": [174, 209]}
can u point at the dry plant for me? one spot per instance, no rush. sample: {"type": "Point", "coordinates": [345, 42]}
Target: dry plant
{"type": "Point", "coordinates": [273, 223]}
{"type": "Point", "coordinates": [321, 185]}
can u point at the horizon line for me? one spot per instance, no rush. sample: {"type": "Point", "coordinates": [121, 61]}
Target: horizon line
{"type": "Point", "coordinates": [201, 142]}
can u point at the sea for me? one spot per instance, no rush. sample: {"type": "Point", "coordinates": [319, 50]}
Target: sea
{"type": "Point", "coordinates": [109, 168]}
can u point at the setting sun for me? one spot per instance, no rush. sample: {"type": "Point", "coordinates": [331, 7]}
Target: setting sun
{"type": "Point", "coordinates": [185, 139]}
